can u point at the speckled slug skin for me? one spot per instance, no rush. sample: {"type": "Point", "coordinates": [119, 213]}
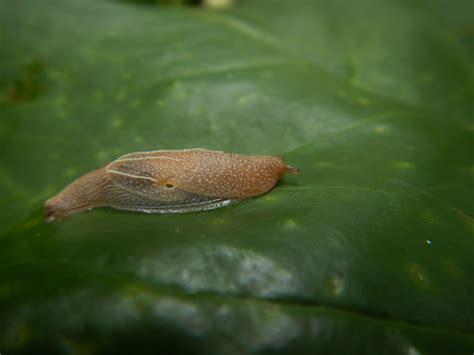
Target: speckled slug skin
{"type": "Point", "coordinates": [169, 181]}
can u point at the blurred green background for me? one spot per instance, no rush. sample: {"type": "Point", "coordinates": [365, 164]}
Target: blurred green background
{"type": "Point", "coordinates": [370, 249]}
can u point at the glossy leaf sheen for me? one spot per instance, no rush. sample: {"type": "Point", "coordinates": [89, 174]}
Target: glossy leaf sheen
{"type": "Point", "coordinates": [368, 249]}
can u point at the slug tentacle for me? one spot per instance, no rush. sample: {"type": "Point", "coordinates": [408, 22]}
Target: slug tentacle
{"type": "Point", "coordinates": [292, 169]}
{"type": "Point", "coordinates": [170, 181]}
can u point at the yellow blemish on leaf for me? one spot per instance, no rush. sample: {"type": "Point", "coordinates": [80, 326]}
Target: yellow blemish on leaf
{"type": "Point", "coordinates": [61, 100]}
{"type": "Point", "coordinates": [380, 129]}
{"type": "Point", "coordinates": [117, 123]}
{"type": "Point", "coordinates": [98, 94]}
{"type": "Point", "coordinates": [430, 218]}
{"type": "Point", "coordinates": [219, 221]}
{"type": "Point", "coordinates": [267, 74]}
{"type": "Point", "coordinates": [290, 224]}
{"type": "Point", "coordinates": [363, 101]}
{"type": "Point", "coordinates": [121, 95]}
{"type": "Point", "coordinates": [355, 81]}
{"type": "Point", "coordinates": [102, 155]}
{"type": "Point", "coordinates": [403, 165]}
{"type": "Point", "coordinates": [70, 172]}
{"type": "Point", "coordinates": [197, 111]}
{"type": "Point", "coordinates": [341, 93]}
{"type": "Point", "coordinates": [127, 76]}
{"type": "Point", "coordinates": [54, 155]}
{"type": "Point", "coordinates": [269, 198]}
{"type": "Point", "coordinates": [136, 103]}
{"type": "Point", "coordinates": [426, 78]}
{"type": "Point", "coordinates": [245, 99]}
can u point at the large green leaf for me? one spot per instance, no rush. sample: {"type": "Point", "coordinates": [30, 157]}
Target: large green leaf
{"type": "Point", "coordinates": [369, 249]}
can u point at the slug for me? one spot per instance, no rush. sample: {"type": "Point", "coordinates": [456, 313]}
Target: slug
{"type": "Point", "coordinates": [169, 181]}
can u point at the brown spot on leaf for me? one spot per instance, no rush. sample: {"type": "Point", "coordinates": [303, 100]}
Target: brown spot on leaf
{"type": "Point", "coordinates": [27, 85]}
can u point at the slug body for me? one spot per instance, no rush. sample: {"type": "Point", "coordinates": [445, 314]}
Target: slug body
{"type": "Point", "coordinates": [169, 181]}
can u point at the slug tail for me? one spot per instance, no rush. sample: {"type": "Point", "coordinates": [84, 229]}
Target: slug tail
{"type": "Point", "coordinates": [84, 193]}
{"type": "Point", "coordinates": [51, 212]}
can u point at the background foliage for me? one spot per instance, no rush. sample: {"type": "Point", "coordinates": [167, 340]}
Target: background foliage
{"type": "Point", "coordinates": [369, 249]}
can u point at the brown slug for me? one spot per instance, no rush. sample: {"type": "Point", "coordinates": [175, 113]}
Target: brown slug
{"type": "Point", "coordinates": [169, 181]}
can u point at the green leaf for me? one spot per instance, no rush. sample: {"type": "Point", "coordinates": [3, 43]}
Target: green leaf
{"type": "Point", "coordinates": [368, 250]}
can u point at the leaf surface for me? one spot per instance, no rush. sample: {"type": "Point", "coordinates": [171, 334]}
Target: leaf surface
{"type": "Point", "coordinates": [368, 250]}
